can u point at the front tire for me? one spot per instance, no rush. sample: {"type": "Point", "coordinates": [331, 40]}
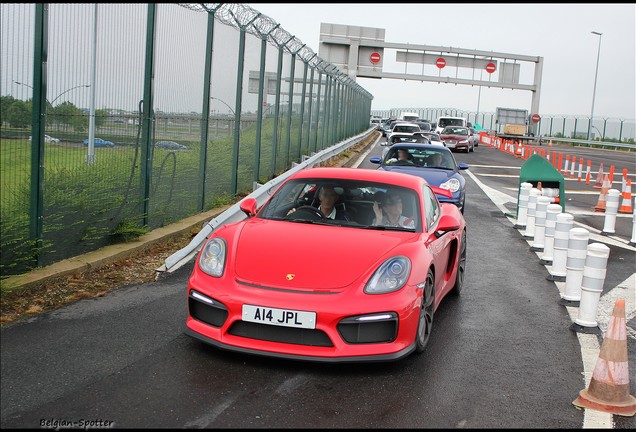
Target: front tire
{"type": "Point", "coordinates": [427, 309]}
{"type": "Point", "coordinates": [461, 267]}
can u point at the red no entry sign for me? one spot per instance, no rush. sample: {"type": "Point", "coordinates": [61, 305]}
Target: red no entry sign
{"type": "Point", "coordinates": [441, 62]}
{"type": "Point", "coordinates": [490, 67]}
{"type": "Point", "coordinates": [374, 57]}
{"type": "Point", "coordinates": [536, 118]}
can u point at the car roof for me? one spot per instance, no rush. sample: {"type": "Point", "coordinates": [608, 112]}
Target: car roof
{"type": "Point", "coordinates": [370, 175]}
{"type": "Point", "coordinates": [421, 146]}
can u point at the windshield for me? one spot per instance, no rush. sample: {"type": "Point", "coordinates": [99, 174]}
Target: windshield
{"type": "Point", "coordinates": [419, 157]}
{"type": "Point", "coordinates": [299, 200]}
{"type": "Point", "coordinates": [455, 131]}
{"type": "Point", "coordinates": [433, 137]}
{"type": "Point", "coordinates": [443, 122]}
{"type": "Point", "coordinates": [406, 128]}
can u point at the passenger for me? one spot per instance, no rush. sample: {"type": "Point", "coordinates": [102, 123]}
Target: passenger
{"type": "Point", "coordinates": [388, 211]}
{"type": "Point", "coordinates": [436, 160]}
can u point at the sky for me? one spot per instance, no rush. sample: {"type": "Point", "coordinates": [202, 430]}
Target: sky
{"type": "Point", "coordinates": [560, 33]}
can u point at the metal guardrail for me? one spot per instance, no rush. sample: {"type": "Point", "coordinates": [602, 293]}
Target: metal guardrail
{"type": "Point", "coordinates": [573, 141]}
{"type": "Point", "coordinates": [591, 143]}
{"type": "Point", "coordinates": [260, 194]}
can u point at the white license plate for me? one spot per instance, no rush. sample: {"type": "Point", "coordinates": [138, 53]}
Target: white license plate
{"type": "Point", "coordinates": [279, 317]}
{"type": "Point", "coordinates": [450, 144]}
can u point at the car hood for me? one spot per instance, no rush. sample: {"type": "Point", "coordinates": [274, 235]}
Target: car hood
{"type": "Point", "coordinates": [454, 137]}
{"type": "Point", "coordinates": [320, 258]}
{"type": "Point", "coordinates": [433, 176]}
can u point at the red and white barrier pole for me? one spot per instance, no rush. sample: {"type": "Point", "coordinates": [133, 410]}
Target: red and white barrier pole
{"type": "Point", "coordinates": [632, 241]}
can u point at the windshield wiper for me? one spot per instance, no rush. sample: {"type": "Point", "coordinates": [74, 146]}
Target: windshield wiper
{"type": "Point", "coordinates": [386, 228]}
{"type": "Point", "coordinates": [313, 222]}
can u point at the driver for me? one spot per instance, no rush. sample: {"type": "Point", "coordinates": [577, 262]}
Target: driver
{"type": "Point", "coordinates": [403, 157]}
{"type": "Point", "coordinates": [328, 197]}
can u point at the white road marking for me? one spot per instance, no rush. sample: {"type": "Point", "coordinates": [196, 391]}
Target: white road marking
{"type": "Point", "coordinates": [204, 421]}
{"type": "Point", "coordinates": [592, 419]}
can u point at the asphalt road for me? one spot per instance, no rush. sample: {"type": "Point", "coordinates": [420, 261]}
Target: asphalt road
{"type": "Point", "coordinates": [501, 356]}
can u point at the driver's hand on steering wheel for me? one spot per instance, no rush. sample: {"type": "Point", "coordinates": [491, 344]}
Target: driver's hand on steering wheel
{"type": "Point", "coordinates": [291, 210]}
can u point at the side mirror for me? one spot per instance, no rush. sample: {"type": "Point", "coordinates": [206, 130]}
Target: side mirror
{"type": "Point", "coordinates": [375, 160]}
{"type": "Point", "coordinates": [450, 219]}
{"type": "Point", "coordinates": [248, 206]}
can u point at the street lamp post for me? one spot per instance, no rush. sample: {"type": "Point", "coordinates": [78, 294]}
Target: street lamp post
{"type": "Point", "coordinates": [589, 126]}
{"type": "Point", "coordinates": [223, 102]}
{"type": "Point", "coordinates": [599, 133]}
{"type": "Point", "coordinates": [58, 96]}
{"type": "Point", "coordinates": [66, 91]}
{"type": "Point", "coordinates": [478, 96]}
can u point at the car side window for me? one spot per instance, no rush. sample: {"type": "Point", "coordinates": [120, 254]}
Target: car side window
{"type": "Point", "coordinates": [431, 208]}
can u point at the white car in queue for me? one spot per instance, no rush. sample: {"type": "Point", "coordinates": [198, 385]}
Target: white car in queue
{"type": "Point", "coordinates": [401, 129]}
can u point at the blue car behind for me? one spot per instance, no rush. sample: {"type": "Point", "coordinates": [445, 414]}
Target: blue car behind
{"type": "Point", "coordinates": [421, 162]}
{"type": "Point", "coordinates": [100, 143]}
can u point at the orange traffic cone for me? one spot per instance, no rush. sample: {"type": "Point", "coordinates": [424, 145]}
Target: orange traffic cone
{"type": "Point", "coordinates": [609, 387]}
{"type": "Point", "coordinates": [599, 177]}
{"type": "Point", "coordinates": [600, 205]}
{"type": "Point", "coordinates": [626, 205]}
{"type": "Point", "coordinates": [550, 143]}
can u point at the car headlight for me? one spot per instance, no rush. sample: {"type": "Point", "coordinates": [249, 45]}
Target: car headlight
{"type": "Point", "coordinates": [390, 276]}
{"type": "Point", "coordinates": [451, 184]}
{"type": "Point", "coordinates": [212, 259]}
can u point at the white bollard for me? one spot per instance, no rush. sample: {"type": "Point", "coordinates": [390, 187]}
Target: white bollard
{"type": "Point", "coordinates": [539, 223]}
{"type": "Point", "coordinates": [611, 210]}
{"type": "Point", "coordinates": [591, 288]}
{"type": "Point", "coordinates": [552, 212]}
{"type": "Point", "coordinates": [553, 193]}
{"type": "Point", "coordinates": [522, 208]}
{"type": "Point", "coordinates": [577, 251]}
{"type": "Point", "coordinates": [532, 209]}
{"type": "Point", "coordinates": [632, 242]}
{"type": "Point", "coordinates": [564, 224]}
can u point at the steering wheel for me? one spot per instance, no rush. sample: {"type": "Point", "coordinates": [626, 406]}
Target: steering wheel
{"type": "Point", "coordinates": [306, 212]}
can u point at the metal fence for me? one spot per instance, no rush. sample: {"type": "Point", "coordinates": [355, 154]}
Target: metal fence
{"type": "Point", "coordinates": [601, 129]}
{"type": "Point", "coordinates": [120, 118]}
